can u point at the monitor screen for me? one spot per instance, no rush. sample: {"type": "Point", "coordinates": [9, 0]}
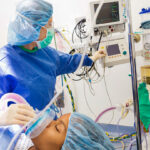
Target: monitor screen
{"type": "Point", "coordinates": [108, 13]}
{"type": "Point", "coordinates": [113, 50]}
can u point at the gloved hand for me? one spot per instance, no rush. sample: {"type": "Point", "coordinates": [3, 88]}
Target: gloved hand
{"type": "Point", "coordinates": [16, 114]}
{"type": "Point", "coordinates": [98, 54]}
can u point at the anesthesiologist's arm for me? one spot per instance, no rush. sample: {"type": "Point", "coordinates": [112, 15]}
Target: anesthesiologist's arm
{"type": "Point", "coordinates": [15, 113]}
{"type": "Point", "coordinates": [69, 63]}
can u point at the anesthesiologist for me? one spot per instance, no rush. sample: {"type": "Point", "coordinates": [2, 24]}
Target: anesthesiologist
{"type": "Point", "coordinates": [29, 66]}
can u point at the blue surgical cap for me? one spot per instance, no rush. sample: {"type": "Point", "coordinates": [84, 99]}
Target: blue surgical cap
{"type": "Point", "coordinates": [84, 134]}
{"type": "Point", "coordinates": [29, 17]}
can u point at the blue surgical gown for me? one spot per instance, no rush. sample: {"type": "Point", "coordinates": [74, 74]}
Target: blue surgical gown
{"type": "Point", "coordinates": [33, 75]}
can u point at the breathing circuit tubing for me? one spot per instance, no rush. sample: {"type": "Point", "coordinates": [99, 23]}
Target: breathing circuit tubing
{"type": "Point", "coordinates": [40, 113]}
{"type": "Point", "coordinates": [24, 127]}
{"type": "Point", "coordinates": [97, 11]}
{"type": "Point", "coordinates": [102, 113]}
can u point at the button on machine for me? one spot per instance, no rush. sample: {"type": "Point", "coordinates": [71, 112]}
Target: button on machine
{"type": "Point", "coordinates": [124, 52]}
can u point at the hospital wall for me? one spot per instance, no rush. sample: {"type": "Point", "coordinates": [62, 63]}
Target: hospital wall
{"type": "Point", "coordinates": [117, 78]}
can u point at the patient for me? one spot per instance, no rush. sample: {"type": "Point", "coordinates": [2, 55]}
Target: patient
{"type": "Point", "coordinates": [72, 132]}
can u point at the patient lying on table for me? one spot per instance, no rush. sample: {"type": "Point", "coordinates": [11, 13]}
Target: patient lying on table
{"type": "Point", "coordinates": [71, 132]}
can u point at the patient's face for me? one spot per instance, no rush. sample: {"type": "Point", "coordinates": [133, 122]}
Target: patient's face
{"type": "Point", "coordinates": [53, 137]}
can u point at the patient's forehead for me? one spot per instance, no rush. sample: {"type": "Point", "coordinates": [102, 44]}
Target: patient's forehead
{"type": "Point", "coordinates": [65, 116]}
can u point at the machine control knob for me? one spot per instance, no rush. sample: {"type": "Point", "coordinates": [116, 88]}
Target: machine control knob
{"type": "Point", "coordinates": [124, 52]}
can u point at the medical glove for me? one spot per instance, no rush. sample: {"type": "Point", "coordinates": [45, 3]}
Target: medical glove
{"type": "Point", "coordinates": [98, 54]}
{"type": "Point", "coordinates": [16, 114]}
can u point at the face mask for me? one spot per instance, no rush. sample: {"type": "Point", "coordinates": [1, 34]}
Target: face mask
{"type": "Point", "coordinates": [41, 121]}
{"type": "Point", "coordinates": [44, 43]}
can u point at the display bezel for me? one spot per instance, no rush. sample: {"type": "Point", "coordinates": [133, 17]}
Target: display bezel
{"type": "Point", "coordinates": [121, 19]}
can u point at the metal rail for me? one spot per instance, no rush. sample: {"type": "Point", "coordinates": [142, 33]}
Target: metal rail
{"type": "Point", "coordinates": [134, 77]}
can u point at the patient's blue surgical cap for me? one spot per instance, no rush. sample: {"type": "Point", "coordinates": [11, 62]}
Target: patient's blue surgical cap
{"type": "Point", "coordinates": [25, 26]}
{"type": "Point", "coordinates": [84, 134]}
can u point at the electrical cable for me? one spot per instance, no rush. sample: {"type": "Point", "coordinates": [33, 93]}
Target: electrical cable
{"type": "Point", "coordinates": [83, 74]}
{"type": "Point", "coordinates": [133, 141]}
{"type": "Point", "coordinates": [108, 98]}
{"type": "Point", "coordinates": [71, 95]}
{"type": "Point", "coordinates": [99, 41]}
{"type": "Point", "coordinates": [79, 28]}
{"type": "Point", "coordinates": [68, 43]}
{"type": "Point", "coordinates": [83, 55]}
{"type": "Point", "coordinates": [55, 39]}
{"type": "Point", "coordinates": [82, 58]}
{"type": "Point", "coordinates": [60, 111]}
{"type": "Point", "coordinates": [98, 44]}
{"type": "Point", "coordinates": [124, 112]}
{"type": "Point", "coordinates": [119, 121]}
{"type": "Point", "coordinates": [68, 87]}
{"type": "Point", "coordinates": [64, 38]}
{"type": "Point", "coordinates": [120, 138]}
{"type": "Point", "coordinates": [101, 2]}
{"type": "Point", "coordinates": [100, 77]}
{"type": "Point", "coordinates": [84, 71]}
{"type": "Point", "coordinates": [115, 139]}
{"type": "Point", "coordinates": [87, 101]}
{"type": "Point", "coordinates": [145, 137]}
{"type": "Point", "coordinates": [123, 145]}
{"type": "Point", "coordinates": [56, 49]}
{"type": "Point", "coordinates": [75, 79]}
{"type": "Point", "coordinates": [90, 87]}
